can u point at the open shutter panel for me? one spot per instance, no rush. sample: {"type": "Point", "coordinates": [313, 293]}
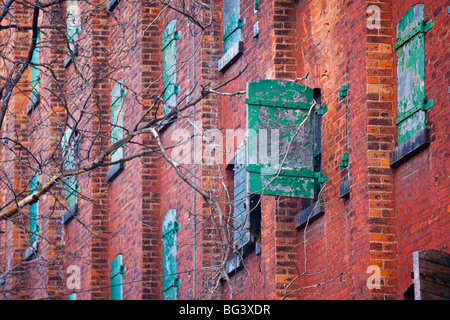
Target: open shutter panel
{"type": "Point", "coordinates": [169, 49]}
{"type": "Point", "coordinates": [117, 271]}
{"type": "Point", "coordinates": [280, 156]}
{"type": "Point", "coordinates": [232, 23]}
{"type": "Point", "coordinates": [169, 250]}
{"type": "Point", "coordinates": [35, 73]}
{"type": "Point", "coordinates": [240, 213]}
{"type": "Point", "coordinates": [411, 73]}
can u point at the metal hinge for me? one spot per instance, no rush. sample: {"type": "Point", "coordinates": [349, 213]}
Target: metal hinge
{"type": "Point", "coordinates": [344, 161]}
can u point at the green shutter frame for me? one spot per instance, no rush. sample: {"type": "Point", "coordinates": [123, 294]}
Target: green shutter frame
{"type": "Point", "coordinates": [117, 272]}
{"type": "Point", "coordinates": [283, 106]}
{"type": "Point", "coordinates": [410, 47]}
{"type": "Point", "coordinates": [171, 281]}
{"type": "Point", "coordinates": [34, 210]}
{"type": "Point", "coordinates": [73, 23]}
{"type": "Point", "coordinates": [35, 71]}
{"type": "Point", "coordinates": [70, 144]}
{"type": "Point", "coordinates": [169, 52]}
{"type": "Point", "coordinates": [117, 104]}
{"type": "Point", "coordinates": [232, 23]}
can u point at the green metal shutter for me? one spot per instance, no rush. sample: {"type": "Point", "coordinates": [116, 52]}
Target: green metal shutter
{"type": "Point", "coordinates": [232, 23]}
{"type": "Point", "coordinates": [35, 72]}
{"type": "Point", "coordinates": [281, 157]}
{"type": "Point", "coordinates": [73, 23]}
{"type": "Point", "coordinates": [171, 282]}
{"type": "Point", "coordinates": [117, 103]}
{"type": "Point", "coordinates": [169, 52]}
{"type": "Point", "coordinates": [241, 235]}
{"type": "Point", "coordinates": [34, 211]}
{"type": "Point", "coordinates": [411, 73]}
{"type": "Point", "coordinates": [69, 144]}
{"type": "Point", "coordinates": [117, 271]}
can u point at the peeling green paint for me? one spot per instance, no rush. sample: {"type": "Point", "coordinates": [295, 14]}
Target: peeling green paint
{"type": "Point", "coordinates": [411, 73]}
{"type": "Point", "coordinates": [35, 71]}
{"type": "Point", "coordinates": [73, 23]}
{"type": "Point", "coordinates": [34, 210]}
{"type": "Point", "coordinates": [170, 228]}
{"type": "Point", "coordinates": [169, 53]}
{"type": "Point", "coordinates": [232, 23]}
{"type": "Point", "coordinates": [69, 144]}
{"type": "Point", "coordinates": [117, 104]}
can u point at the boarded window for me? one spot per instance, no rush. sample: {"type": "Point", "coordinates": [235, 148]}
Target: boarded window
{"type": "Point", "coordinates": [411, 73]}
{"type": "Point", "coordinates": [117, 103]}
{"type": "Point", "coordinates": [171, 281]}
{"type": "Point", "coordinates": [246, 209]}
{"type": "Point", "coordinates": [34, 211]}
{"type": "Point", "coordinates": [232, 33]}
{"type": "Point", "coordinates": [169, 53]}
{"type": "Point", "coordinates": [73, 23]}
{"type": "Point", "coordinates": [281, 140]}
{"type": "Point", "coordinates": [232, 23]}
{"type": "Point", "coordinates": [70, 144]}
{"type": "Point", "coordinates": [117, 271]}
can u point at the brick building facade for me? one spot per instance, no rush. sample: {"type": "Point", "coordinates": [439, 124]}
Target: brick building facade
{"type": "Point", "coordinates": [377, 197]}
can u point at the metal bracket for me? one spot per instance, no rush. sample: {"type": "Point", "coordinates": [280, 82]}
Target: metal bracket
{"type": "Point", "coordinates": [424, 107]}
{"type": "Point", "coordinates": [321, 178]}
{"type": "Point", "coordinates": [424, 28]}
{"type": "Point", "coordinates": [239, 24]}
{"type": "Point", "coordinates": [322, 110]}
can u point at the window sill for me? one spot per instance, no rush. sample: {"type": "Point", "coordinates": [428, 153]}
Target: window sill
{"type": "Point", "coordinates": [31, 251]}
{"type": "Point", "coordinates": [73, 211]}
{"type": "Point", "coordinates": [311, 213]}
{"type": "Point", "coordinates": [69, 57]}
{"type": "Point", "coordinates": [410, 147]}
{"type": "Point", "coordinates": [230, 56]}
{"type": "Point", "coordinates": [33, 103]}
{"type": "Point", "coordinates": [234, 265]}
{"type": "Point", "coordinates": [114, 171]}
{"type": "Point", "coordinates": [344, 189]}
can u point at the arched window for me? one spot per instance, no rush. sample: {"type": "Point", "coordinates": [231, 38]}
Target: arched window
{"type": "Point", "coordinates": [117, 271]}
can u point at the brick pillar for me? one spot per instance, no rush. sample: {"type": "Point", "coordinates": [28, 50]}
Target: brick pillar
{"type": "Point", "coordinates": [284, 39]}
{"type": "Point", "coordinates": [97, 44]}
{"type": "Point", "coordinates": [380, 134]}
{"type": "Point", "coordinates": [151, 197]}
